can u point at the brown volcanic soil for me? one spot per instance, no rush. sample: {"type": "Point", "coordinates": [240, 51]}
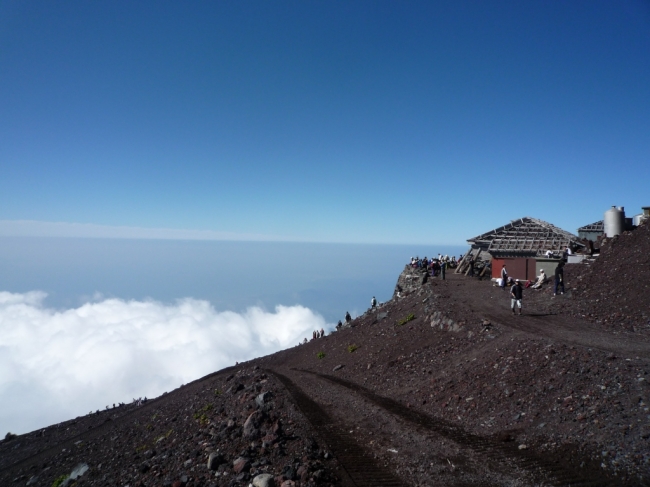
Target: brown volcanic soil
{"type": "Point", "coordinates": [614, 291]}
{"type": "Point", "coordinates": [464, 393]}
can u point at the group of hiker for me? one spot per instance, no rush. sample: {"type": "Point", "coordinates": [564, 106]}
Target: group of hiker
{"type": "Point", "coordinates": [436, 267]}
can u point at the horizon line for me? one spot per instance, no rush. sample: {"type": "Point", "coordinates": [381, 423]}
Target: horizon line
{"type": "Point", "coordinates": [45, 229]}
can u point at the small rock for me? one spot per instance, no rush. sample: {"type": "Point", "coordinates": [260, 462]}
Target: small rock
{"type": "Point", "coordinates": [241, 464]}
{"type": "Point", "coordinates": [250, 426]}
{"type": "Point", "coordinates": [262, 398]}
{"type": "Point", "coordinates": [523, 447]}
{"type": "Point", "coordinates": [338, 367]}
{"type": "Point", "coordinates": [264, 480]}
{"type": "Point", "coordinates": [214, 460]}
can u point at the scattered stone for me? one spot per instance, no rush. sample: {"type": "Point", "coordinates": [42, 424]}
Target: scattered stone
{"type": "Point", "coordinates": [338, 367]}
{"type": "Point", "coordinates": [214, 460]}
{"type": "Point", "coordinates": [264, 480]}
{"type": "Point", "coordinates": [263, 398]}
{"type": "Point", "coordinates": [241, 464]}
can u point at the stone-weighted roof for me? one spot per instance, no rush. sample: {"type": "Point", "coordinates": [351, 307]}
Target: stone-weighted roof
{"type": "Point", "coordinates": [526, 236]}
{"type": "Point", "coordinates": [593, 227]}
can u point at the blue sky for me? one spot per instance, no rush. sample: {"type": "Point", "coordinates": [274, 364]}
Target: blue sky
{"type": "Point", "coordinates": [361, 122]}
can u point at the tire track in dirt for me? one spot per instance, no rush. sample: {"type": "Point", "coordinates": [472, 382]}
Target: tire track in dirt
{"type": "Point", "coordinates": [361, 467]}
{"type": "Point", "coordinates": [544, 469]}
{"type": "Point", "coordinates": [569, 330]}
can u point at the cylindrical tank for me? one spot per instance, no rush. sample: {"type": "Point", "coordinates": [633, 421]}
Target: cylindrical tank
{"type": "Point", "coordinates": [614, 221]}
{"type": "Point", "coordinates": [637, 219]}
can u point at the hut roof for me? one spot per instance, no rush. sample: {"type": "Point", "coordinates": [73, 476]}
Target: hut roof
{"type": "Point", "coordinates": [526, 236]}
{"type": "Point", "coordinates": [593, 227]}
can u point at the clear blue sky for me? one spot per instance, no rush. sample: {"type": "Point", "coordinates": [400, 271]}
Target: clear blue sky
{"type": "Point", "coordinates": [376, 122]}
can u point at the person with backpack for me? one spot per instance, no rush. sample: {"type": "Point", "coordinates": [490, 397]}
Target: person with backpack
{"type": "Point", "coordinates": [516, 295]}
{"type": "Point", "coordinates": [373, 302]}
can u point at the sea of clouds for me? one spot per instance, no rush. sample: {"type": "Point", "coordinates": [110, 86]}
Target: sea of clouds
{"type": "Point", "coordinates": [58, 364]}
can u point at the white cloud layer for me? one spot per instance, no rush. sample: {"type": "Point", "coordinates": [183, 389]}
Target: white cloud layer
{"type": "Point", "coordinates": [59, 364]}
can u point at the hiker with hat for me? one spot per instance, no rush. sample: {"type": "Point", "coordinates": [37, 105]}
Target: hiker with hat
{"type": "Point", "coordinates": [516, 294]}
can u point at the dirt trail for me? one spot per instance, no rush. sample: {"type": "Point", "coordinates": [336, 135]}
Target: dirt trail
{"type": "Point", "coordinates": [569, 330]}
{"type": "Point", "coordinates": [510, 461]}
{"type": "Point", "coordinates": [360, 467]}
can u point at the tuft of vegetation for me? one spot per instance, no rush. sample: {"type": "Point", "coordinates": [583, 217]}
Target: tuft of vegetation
{"type": "Point", "coordinates": [352, 348]}
{"type": "Point", "coordinates": [203, 410]}
{"type": "Point", "coordinates": [201, 416]}
{"type": "Point", "coordinates": [320, 355]}
{"type": "Point", "coordinates": [166, 435]}
{"type": "Point", "coordinates": [60, 480]}
{"type": "Point", "coordinates": [406, 320]}
{"type": "Point", "coordinates": [217, 392]}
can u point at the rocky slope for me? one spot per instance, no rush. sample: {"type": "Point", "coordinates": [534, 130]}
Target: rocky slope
{"type": "Point", "coordinates": [441, 386]}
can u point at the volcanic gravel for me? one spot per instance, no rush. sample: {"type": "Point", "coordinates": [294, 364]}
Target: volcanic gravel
{"type": "Point", "coordinates": [614, 290]}
{"type": "Point", "coordinates": [440, 387]}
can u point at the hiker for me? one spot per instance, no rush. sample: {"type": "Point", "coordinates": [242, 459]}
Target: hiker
{"type": "Point", "coordinates": [504, 277]}
{"type": "Point", "coordinates": [322, 333]}
{"type": "Point", "coordinates": [559, 278]}
{"type": "Point", "coordinates": [348, 318]}
{"type": "Point", "coordinates": [516, 293]}
{"type": "Point", "coordinates": [373, 302]}
{"type": "Point", "coordinates": [443, 266]}
{"type": "Point", "coordinates": [339, 325]}
{"type": "Point", "coordinates": [540, 280]}
{"type": "Point", "coordinates": [471, 267]}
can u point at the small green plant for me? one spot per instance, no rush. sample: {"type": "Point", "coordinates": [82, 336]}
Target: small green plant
{"type": "Point", "coordinates": [166, 435]}
{"type": "Point", "coordinates": [406, 320]}
{"type": "Point", "coordinates": [60, 480]}
{"type": "Point", "coordinates": [201, 412]}
{"type": "Point", "coordinates": [203, 419]}
{"type": "Point", "coordinates": [320, 355]}
{"type": "Point", "coordinates": [352, 348]}
{"type": "Point", "coordinates": [217, 392]}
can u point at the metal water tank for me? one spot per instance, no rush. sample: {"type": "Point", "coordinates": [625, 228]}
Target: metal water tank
{"type": "Point", "coordinates": [614, 221]}
{"type": "Point", "coordinates": [637, 219]}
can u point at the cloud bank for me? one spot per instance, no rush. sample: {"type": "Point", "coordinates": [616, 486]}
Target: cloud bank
{"type": "Point", "coordinates": [59, 364]}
